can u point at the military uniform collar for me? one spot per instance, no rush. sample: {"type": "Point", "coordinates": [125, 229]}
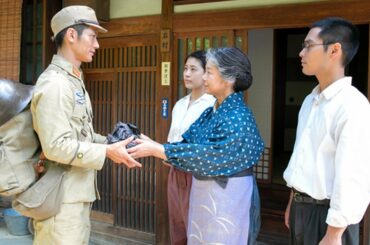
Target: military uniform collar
{"type": "Point", "coordinates": [67, 66]}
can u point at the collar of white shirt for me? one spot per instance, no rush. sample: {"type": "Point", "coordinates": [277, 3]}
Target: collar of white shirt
{"type": "Point", "coordinates": [333, 88]}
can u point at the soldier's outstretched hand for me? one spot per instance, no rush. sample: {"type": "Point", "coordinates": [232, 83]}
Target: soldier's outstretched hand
{"type": "Point", "coordinates": [117, 153]}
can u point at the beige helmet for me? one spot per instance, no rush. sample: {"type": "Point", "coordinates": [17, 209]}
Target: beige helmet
{"type": "Point", "coordinates": [14, 97]}
{"type": "Point", "coordinates": [73, 15]}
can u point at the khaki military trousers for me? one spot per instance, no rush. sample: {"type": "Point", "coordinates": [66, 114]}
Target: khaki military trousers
{"type": "Point", "coordinates": [71, 226]}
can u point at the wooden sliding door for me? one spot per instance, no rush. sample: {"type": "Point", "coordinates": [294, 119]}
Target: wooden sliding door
{"type": "Point", "coordinates": [122, 85]}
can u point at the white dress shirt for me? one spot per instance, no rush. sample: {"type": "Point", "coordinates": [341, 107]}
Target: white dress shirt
{"type": "Point", "coordinates": [184, 114]}
{"type": "Point", "coordinates": [331, 156]}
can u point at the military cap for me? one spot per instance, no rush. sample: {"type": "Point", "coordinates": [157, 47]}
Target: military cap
{"type": "Point", "coordinates": [74, 15]}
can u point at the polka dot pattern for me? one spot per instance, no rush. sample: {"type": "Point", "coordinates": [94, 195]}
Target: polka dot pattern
{"type": "Point", "coordinates": [221, 142]}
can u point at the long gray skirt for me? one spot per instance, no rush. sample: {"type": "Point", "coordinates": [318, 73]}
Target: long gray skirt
{"type": "Point", "coordinates": [220, 216]}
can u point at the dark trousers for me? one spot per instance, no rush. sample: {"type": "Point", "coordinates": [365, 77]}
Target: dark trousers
{"type": "Point", "coordinates": [308, 226]}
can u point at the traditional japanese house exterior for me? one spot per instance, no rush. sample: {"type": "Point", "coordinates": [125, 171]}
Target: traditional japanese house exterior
{"type": "Point", "coordinates": [136, 76]}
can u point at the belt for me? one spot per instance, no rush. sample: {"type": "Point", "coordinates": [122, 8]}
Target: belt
{"type": "Point", "coordinates": [222, 180]}
{"type": "Point", "coordinates": [300, 197]}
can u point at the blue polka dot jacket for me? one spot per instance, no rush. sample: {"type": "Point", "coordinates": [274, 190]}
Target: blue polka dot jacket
{"type": "Point", "coordinates": [221, 142]}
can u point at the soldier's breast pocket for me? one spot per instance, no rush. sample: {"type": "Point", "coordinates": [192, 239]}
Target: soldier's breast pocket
{"type": "Point", "coordinates": [79, 120]}
{"type": "Point", "coordinates": [79, 113]}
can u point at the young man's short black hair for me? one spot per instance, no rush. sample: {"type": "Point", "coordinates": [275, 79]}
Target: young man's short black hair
{"type": "Point", "coordinates": [339, 30]}
{"type": "Point", "coordinates": [60, 36]}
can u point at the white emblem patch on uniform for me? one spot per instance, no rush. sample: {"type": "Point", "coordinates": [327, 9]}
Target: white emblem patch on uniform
{"type": "Point", "coordinates": [80, 97]}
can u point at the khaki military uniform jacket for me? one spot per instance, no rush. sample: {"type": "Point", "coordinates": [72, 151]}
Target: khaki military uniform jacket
{"type": "Point", "coordinates": [62, 117]}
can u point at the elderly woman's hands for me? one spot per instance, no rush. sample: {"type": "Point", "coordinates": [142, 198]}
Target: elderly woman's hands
{"type": "Point", "coordinates": [146, 147]}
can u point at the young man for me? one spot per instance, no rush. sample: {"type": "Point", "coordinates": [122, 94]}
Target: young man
{"type": "Point", "coordinates": [62, 117]}
{"type": "Point", "coordinates": [329, 169]}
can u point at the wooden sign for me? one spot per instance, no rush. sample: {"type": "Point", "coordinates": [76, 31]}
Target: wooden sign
{"type": "Point", "coordinates": [165, 40]}
{"type": "Point", "coordinates": [166, 73]}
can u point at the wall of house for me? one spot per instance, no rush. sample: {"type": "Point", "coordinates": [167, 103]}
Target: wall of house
{"type": "Point", "coordinates": [260, 50]}
{"type": "Point", "coordinates": [10, 34]}
{"type": "Point", "coordinates": [131, 8]}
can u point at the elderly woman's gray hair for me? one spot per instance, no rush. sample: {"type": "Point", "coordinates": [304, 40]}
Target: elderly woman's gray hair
{"type": "Point", "coordinates": [233, 65]}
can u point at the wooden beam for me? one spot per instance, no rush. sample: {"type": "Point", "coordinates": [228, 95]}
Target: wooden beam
{"type": "Point", "coordinates": [132, 26]}
{"type": "Point", "coordinates": [183, 2]}
{"type": "Point", "coordinates": [300, 15]}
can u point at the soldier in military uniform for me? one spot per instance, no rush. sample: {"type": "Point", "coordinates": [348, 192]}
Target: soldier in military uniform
{"type": "Point", "coordinates": [62, 117]}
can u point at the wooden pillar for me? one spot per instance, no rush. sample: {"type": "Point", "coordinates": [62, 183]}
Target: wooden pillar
{"type": "Point", "coordinates": [366, 228]}
{"type": "Point", "coordinates": [366, 220]}
{"type": "Point", "coordinates": [368, 72]}
{"type": "Point", "coordinates": [366, 231]}
{"type": "Point", "coordinates": [163, 119]}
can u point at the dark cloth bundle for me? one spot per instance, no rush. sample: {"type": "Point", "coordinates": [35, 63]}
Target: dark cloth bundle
{"type": "Point", "coordinates": [123, 131]}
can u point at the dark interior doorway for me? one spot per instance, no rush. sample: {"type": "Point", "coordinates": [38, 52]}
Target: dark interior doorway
{"type": "Point", "coordinates": [291, 87]}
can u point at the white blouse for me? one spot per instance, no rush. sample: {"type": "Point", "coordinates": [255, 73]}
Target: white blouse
{"type": "Point", "coordinates": [185, 114]}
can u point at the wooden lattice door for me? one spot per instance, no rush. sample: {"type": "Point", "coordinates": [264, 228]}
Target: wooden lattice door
{"type": "Point", "coordinates": [121, 82]}
{"type": "Point", "coordinates": [188, 42]}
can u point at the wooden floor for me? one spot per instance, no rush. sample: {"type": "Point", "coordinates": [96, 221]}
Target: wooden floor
{"type": "Point", "coordinates": [106, 234]}
{"type": "Point", "coordinates": [272, 238]}
{"type": "Point", "coordinates": [273, 230]}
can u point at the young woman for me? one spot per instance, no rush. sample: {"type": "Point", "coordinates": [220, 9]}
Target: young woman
{"type": "Point", "coordinates": [219, 149]}
{"type": "Point", "coordinates": [184, 113]}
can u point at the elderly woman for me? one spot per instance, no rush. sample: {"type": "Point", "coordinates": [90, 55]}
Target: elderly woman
{"type": "Point", "coordinates": [219, 149]}
{"type": "Point", "coordinates": [184, 114]}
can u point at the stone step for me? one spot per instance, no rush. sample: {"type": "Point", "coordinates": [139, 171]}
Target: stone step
{"type": "Point", "coordinates": [106, 234]}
